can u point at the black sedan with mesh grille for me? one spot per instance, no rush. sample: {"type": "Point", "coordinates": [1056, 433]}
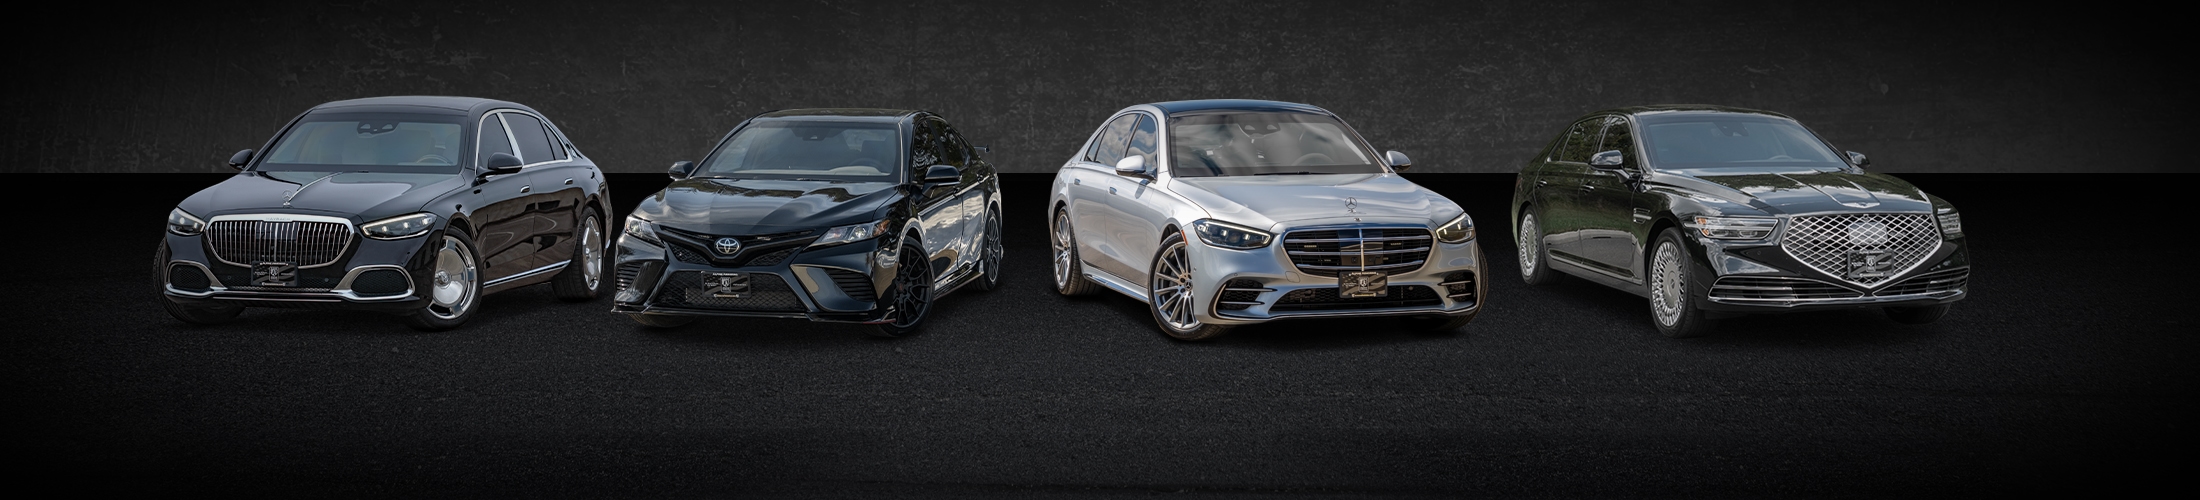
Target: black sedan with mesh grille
{"type": "Point", "coordinates": [1711, 211]}
{"type": "Point", "coordinates": [415, 206]}
{"type": "Point", "coordinates": [844, 215]}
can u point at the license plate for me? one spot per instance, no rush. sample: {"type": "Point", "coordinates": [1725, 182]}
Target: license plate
{"type": "Point", "coordinates": [274, 274]}
{"type": "Point", "coordinates": [1363, 284]}
{"type": "Point", "coordinates": [726, 285]}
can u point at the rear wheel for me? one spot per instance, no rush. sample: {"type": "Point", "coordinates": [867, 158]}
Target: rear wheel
{"type": "Point", "coordinates": [194, 314]}
{"type": "Point", "coordinates": [911, 297]}
{"type": "Point", "coordinates": [583, 275]}
{"type": "Point", "coordinates": [1534, 262]}
{"type": "Point", "coordinates": [1675, 315]}
{"type": "Point", "coordinates": [1169, 293]}
{"type": "Point", "coordinates": [1069, 278]}
{"type": "Point", "coordinates": [989, 262]}
{"type": "Point", "coordinates": [1917, 315]}
{"type": "Point", "coordinates": [454, 285]}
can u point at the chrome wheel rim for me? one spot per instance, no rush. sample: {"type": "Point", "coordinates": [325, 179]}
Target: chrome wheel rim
{"type": "Point", "coordinates": [1666, 295]}
{"type": "Point", "coordinates": [591, 254]}
{"type": "Point", "coordinates": [1171, 288]}
{"type": "Point", "coordinates": [993, 248]}
{"type": "Point", "coordinates": [1062, 265]}
{"type": "Point", "coordinates": [1529, 250]}
{"type": "Point", "coordinates": [453, 288]}
{"type": "Point", "coordinates": [913, 279]}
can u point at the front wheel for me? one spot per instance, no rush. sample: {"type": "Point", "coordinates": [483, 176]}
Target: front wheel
{"type": "Point", "coordinates": [1670, 308]}
{"type": "Point", "coordinates": [1169, 293]}
{"type": "Point", "coordinates": [1917, 315]}
{"type": "Point", "coordinates": [911, 297]}
{"type": "Point", "coordinates": [454, 285]}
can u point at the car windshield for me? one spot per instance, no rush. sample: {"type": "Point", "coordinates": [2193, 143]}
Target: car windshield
{"type": "Point", "coordinates": [378, 142]}
{"type": "Point", "coordinates": [856, 151]}
{"type": "Point", "coordinates": [1728, 140]}
{"type": "Point", "coordinates": [1264, 143]}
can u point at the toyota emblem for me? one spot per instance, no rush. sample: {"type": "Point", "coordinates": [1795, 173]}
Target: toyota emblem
{"type": "Point", "coordinates": [728, 246]}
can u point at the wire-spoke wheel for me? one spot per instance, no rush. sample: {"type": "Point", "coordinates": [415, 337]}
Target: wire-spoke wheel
{"type": "Point", "coordinates": [1068, 278]}
{"type": "Point", "coordinates": [1669, 305]}
{"type": "Point", "coordinates": [454, 285]}
{"type": "Point", "coordinates": [1170, 293]}
{"type": "Point", "coordinates": [912, 294]}
{"type": "Point", "coordinates": [582, 278]}
{"type": "Point", "coordinates": [1532, 258]}
{"type": "Point", "coordinates": [989, 263]}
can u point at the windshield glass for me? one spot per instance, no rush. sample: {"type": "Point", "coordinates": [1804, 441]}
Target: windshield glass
{"type": "Point", "coordinates": [1264, 143]}
{"type": "Point", "coordinates": [1728, 140]}
{"type": "Point", "coordinates": [378, 142]}
{"type": "Point", "coordinates": [855, 151]}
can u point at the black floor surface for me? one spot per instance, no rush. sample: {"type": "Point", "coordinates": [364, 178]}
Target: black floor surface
{"type": "Point", "coordinates": [2071, 367]}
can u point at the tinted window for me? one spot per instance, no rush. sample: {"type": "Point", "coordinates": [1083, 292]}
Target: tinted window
{"type": "Point", "coordinates": [1580, 139]}
{"type": "Point", "coordinates": [962, 148]}
{"type": "Point", "coordinates": [1264, 143]}
{"type": "Point", "coordinates": [420, 142]}
{"type": "Point", "coordinates": [1617, 137]}
{"type": "Point", "coordinates": [947, 145]}
{"type": "Point", "coordinates": [1723, 140]}
{"type": "Point", "coordinates": [792, 149]}
{"type": "Point", "coordinates": [493, 139]}
{"type": "Point", "coordinates": [534, 144]}
{"type": "Point", "coordinates": [558, 144]}
{"type": "Point", "coordinates": [1109, 147]}
{"type": "Point", "coordinates": [1142, 140]}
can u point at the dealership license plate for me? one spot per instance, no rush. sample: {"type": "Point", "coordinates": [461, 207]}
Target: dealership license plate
{"type": "Point", "coordinates": [1363, 285]}
{"type": "Point", "coordinates": [274, 274]}
{"type": "Point", "coordinates": [726, 285]}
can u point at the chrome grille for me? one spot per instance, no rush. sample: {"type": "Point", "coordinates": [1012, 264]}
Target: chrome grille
{"type": "Point", "coordinates": [308, 244]}
{"type": "Point", "coordinates": [1776, 289]}
{"type": "Point", "coordinates": [1330, 252]}
{"type": "Point", "coordinates": [1865, 249]}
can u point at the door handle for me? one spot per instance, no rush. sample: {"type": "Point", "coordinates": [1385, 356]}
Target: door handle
{"type": "Point", "coordinates": [1541, 183]}
{"type": "Point", "coordinates": [524, 189]}
{"type": "Point", "coordinates": [568, 182]}
{"type": "Point", "coordinates": [1586, 187]}
{"type": "Point", "coordinates": [1111, 189]}
{"type": "Point", "coordinates": [1079, 182]}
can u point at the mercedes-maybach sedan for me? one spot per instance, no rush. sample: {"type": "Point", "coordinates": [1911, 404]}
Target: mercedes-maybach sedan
{"type": "Point", "coordinates": [410, 205]}
{"type": "Point", "coordinates": [1710, 211]}
{"type": "Point", "coordinates": [1219, 213]}
{"type": "Point", "coordinates": [847, 215]}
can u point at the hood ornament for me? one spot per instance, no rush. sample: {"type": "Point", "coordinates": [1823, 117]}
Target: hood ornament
{"type": "Point", "coordinates": [1352, 206]}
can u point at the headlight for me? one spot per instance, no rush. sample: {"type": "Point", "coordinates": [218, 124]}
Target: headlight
{"type": "Point", "coordinates": [1459, 230]}
{"type": "Point", "coordinates": [400, 227]}
{"type": "Point", "coordinates": [1227, 235]}
{"type": "Point", "coordinates": [182, 223]}
{"type": "Point", "coordinates": [1735, 228]}
{"type": "Point", "coordinates": [852, 233]}
{"type": "Point", "coordinates": [1951, 224]}
{"type": "Point", "coordinates": [642, 229]}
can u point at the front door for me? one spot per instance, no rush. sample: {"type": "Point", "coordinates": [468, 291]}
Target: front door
{"type": "Point", "coordinates": [1608, 233]}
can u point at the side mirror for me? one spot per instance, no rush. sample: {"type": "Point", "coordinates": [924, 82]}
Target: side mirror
{"type": "Point", "coordinates": [681, 170]}
{"type": "Point", "coordinates": [499, 164]}
{"type": "Point", "coordinates": [1607, 159]}
{"type": "Point", "coordinates": [1134, 165]}
{"type": "Point", "coordinates": [1398, 161]}
{"type": "Point", "coordinates": [942, 175]}
{"type": "Point", "coordinates": [239, 160]}
{"type": "Point", "coordinates": [1859, 160]}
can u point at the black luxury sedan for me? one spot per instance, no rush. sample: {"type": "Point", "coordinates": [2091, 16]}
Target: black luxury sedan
{"type": "Point", "coordinates": [847, 215]}
{"type": "Point", "coordinates": [1710, 211]}
{"type": "Point", "coordinates": [415, 205]}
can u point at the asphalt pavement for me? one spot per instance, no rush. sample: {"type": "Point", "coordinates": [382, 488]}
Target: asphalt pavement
{"type": "Point", "coordinates": [2070, 367]}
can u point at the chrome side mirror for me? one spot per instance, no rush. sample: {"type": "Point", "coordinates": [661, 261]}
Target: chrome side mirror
{"type": "Point", "coordinates": [681, 170]}
{"type": "Point", "coordinates": [1132, 165]}
{"type": "Point", "coordinates": [239, 160]}
{"type": "Point", "coordinates": [1607, 159]}
{"type": "Point", "coordinates": [1859, 160]}
{"type": "Point", "coordinates": [1398, 161]}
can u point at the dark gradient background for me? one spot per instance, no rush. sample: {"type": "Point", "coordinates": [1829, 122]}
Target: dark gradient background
{"type": "Point", "coordinates": [1461, 86]}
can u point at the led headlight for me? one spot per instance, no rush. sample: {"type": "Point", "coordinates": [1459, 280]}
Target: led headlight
{"type": "Point", "coordinates": [182, 223]}
{"type": "Point", "coordinates": [642, 229]}
{"type": "Point", "coordinates": [1459, 230]}
{"type": "Point", "coordinates": [1735, 228]}
{"type": "Point", "coordinates": [1227, 235]}
{"type": "Point", "coordinates": [852, 233]}
{"type": "Point", "coordinates": [1951, 224]}
{"type": "Point", "coordinates": [399, 227]}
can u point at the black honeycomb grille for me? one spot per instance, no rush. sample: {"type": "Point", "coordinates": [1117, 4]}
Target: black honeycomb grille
{"type": "Point", "coordinates": [854, 284]}
{"type": "Point", "coordinates": [766, 292]}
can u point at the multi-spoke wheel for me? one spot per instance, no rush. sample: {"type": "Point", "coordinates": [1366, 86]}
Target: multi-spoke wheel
{"type": "Point", "coordinates": [454, 284]}
{"type": "Point", "coordinates": [1532, 256]}
{"type": "Point", "coordinates": [989, 263]}
{"type": "Point", "coordinates": [1069, 278]}
{"type": "Point", "coordinates": [1170, 292]}
{"type": "Point", "coordinates": [1675, 315]}
{"type": "Point", "coordinates": [582, 278]}
{"type": "Point", "coordinates": [911, 296]}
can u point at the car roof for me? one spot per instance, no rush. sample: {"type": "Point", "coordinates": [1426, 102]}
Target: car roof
{"type": "Point", "coordinates": [873, 114]}
{"type": "Point", "coordinates": [1181, 107]}
{"type": "Point", "coordinates": [421, 103]}
{"type": "Point", "coordinates": [1684, 108]}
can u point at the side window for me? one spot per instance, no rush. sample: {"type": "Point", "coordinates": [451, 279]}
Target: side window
{"type": "Point", "coordinates": [534, 144]}
{"type": "Point", "coordinates": [1580, 140]}
{"type": "Point", "coordinates": [1617, 136]}
{"type": "Point", "coordinates": [493, 139]}
{"type": "Point", "coordinates": [1109, 147]}
{"type": "Point", "coordinates": [921, 153]}
{"type": "Point", "coordinates": [558, 145]}
{"type": "Point", "coordinates": [1142, 141]}
{"type": "Point", "coordinates": [948, 146]}
{"type": "Point", "coordinates": [961, 148]}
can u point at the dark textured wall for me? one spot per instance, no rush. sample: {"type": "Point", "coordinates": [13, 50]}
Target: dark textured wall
{"type": "Point", "coordinates": [1461, 86]}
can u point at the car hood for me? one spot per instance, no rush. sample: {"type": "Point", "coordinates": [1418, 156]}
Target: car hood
{"type": "Point", "coordinates": [1263, 201]}
{"type": "Point", "coordinates": [360, 196]}
{"type": "Point", "coordinates": [752, 206]}
{"type": "Point", "coordinates": [1804, 190]}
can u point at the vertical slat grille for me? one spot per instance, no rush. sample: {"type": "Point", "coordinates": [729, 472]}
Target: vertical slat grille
{"type": "Point", "coordinates": [1865, 249]}
{"type": "Point", "coordinates": [1332, 252]}
{"type": "Point", "coordinates": [305, 243]}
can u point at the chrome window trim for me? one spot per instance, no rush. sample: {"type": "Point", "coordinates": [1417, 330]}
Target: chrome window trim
{"type": "Point", "coordinates": [278, 217]}
{"type": "Point", "coordinates": [343, 287]}
{"type": "Point", "coordinates": [215, 282]}
{"type": "Point", "coordinates": [513, 141]}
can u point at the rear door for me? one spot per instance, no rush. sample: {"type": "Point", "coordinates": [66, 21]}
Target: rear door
{"type": "Point", "coordinates": [554, 197]}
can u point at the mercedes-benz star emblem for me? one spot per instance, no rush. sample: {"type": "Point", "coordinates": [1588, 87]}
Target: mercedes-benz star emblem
{"type": "Point", "coordinates": [728, 246]}
{"type": "Point", "coordinates": [1351, 205]}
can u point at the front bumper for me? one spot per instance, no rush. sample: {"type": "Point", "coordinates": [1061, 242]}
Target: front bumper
{"type": "Point", "coordinates": [1234, 287]}
{"type": "Point", "coordinates": [839, 283]}
{"type": "Point", "coordinates": [1761, 278]}
{"type": "Point", "coordinates": [372, 275]}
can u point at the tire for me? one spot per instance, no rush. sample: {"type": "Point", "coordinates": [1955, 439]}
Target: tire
{"type": "Point", "coordinates": [1916, 315]}
{"type": "Point", "coordinates": [661, 321]}
{"type": "Point", "coordinates": [1534, 261]}
{"type": "Point", "coordinates": [1170, 294]}
{"type": "Point", "coordinates": [911, 291]}
{"type": "Point", "coordinates": [582, 278]}
{"type": "Point", "coordinates": [194, 314]}
{"type": "Point", "coordinates": [1069, 276]}
{"type": "Point", "coordinates": [1670, 308]}
{"type": "Point", "coordinates": [989, 263]}
{"type": "Point", "coordinates": [454, 284]}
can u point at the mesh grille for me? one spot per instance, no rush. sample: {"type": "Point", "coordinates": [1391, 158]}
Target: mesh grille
{"type": "Point", "coordinates": [1239, 290]}
{"type": "Point", "coordinates": [307, 244]}
{"type": "Point", "coordinates": [766, 293]}
{"type": "Point", "coordinates": [1864, 249]}
{"type": "Point", "coordinates": [855, 284]}
{"type": "Point", "coordinates": [626, 273]}
{"type": "Point", "coordinates": [1940, 281]}
{"type": "Point", "coordinates": [1777, 289]}
{"type": "Point", "coordinates": [1392, 251]}
{"type": "Point", "coordinates": [188, 278]}
{"type": "Point", "coordinates": [1326, 298]}
{"type": "Point", "coordinates": [380, 282]}
{"type": "Point", "coordinates": [770, 258]}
